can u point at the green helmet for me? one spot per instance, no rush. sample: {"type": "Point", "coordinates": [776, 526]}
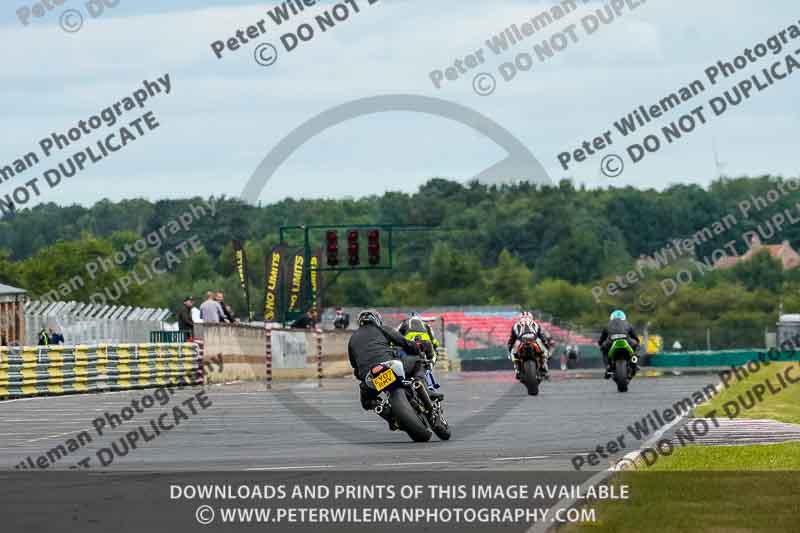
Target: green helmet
{"type": "Point", "coordinates": [618, 315]}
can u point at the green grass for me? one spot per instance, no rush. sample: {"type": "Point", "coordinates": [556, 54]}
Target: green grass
{"type": "Point", "coordinates": [717, 488]}
{"type": "Point", "coordinates": [783, 406]}
{"type": "Point", "coordinates": [713, 502]}
{"type": "Point", "coordinates": [767, 457]}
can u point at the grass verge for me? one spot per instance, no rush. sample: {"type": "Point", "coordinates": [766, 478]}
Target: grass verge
{"type": "Point", "coordinates": [719, 488]}
{"type": "Point", "coordinates": [713, 502]}
{"type": "Point", "coordinates": [783, 406]}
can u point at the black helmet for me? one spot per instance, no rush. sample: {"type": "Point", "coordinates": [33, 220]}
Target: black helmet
{"type": "Point", "coordinates": [369, 316]}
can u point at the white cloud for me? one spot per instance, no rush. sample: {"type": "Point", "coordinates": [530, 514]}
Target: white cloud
{"type": "Point", "coordinates": [225, 114]}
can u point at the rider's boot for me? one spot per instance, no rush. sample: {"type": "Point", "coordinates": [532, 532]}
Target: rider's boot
{"type": "Point", "coordinates": [433, 386]}
{"type": "Point", "coordinates": [609, 371]}
{"type": "Point", "coordinates": [384, 412]}
{"type": "Point", "coordinates": [369, 400]}
{"type": "Point", "coordinates": [545, 369]}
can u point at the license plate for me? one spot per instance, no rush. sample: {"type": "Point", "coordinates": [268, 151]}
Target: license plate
{"type": "Point", "coordinates": [383, 380]}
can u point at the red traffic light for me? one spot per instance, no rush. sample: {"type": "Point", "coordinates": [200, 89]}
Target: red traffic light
{"type": "Point", "coordinates": [353, 258]}
{"type": "Point", "coordinates": [332, 239]}
{"type": "Point", "coordinates": [374, 247]}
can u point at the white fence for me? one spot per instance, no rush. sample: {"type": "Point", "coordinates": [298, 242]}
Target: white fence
{"type": "Point", "coordinates": [82, 323]}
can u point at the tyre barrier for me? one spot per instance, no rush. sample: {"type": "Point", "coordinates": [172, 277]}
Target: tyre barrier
{"type": "Point", "coordinates": [51, 370]}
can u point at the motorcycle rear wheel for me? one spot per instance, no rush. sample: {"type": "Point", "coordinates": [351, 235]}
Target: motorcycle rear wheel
{"type": "Point", "coordinates": [531, 377]}
{"type": "Point", "coordinates": [621, 375]}
{"type": "Point", "coordinates": [407, 417]}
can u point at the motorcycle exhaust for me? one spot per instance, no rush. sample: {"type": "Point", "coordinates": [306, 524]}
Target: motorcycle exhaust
{"type": "Point", "coordinates": [379, 409]}
{"type": "Point", "coordinates": [422, 392]}
{"type": "Point", "coordinates": [634, 359]}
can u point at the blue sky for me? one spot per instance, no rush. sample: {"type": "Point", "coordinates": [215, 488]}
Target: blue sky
{"type": "Point", "coordinates": [224, 116]}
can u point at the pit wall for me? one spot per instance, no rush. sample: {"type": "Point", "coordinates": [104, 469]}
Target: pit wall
{"type": "Point", "coordinates": [239, 352]}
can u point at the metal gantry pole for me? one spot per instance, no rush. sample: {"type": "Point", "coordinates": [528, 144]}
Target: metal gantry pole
{"type": "Point", "coordinates": [318, 334]}
{"type": "Point", "coordinates": [268, 355]}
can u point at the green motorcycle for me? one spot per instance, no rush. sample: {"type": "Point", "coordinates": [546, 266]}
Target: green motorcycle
{"type": "Point", "coordinates": [623, 360]}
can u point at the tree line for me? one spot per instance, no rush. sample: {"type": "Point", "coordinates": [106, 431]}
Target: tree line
{"type": "Point", "coordinates": [543, 247]}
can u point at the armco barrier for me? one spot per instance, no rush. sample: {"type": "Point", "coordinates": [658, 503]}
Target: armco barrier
{"type": "Point", "coordinates": [44, 370]}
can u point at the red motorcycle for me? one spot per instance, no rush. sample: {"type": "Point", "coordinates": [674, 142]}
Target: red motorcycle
{"type": "Point", "coordinates": [531, 358]}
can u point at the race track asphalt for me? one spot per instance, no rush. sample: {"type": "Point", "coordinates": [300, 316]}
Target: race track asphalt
{"type": "Point", "coordinates": [496, 426]}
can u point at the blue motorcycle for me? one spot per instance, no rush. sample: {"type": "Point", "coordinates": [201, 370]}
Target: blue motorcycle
{"type": "Point", "coordinates": [406, 402]}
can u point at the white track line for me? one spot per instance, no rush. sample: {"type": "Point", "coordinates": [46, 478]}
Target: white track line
{"type": "Point", "coordinates": [286, 468]}
{"type": "Point", "coordinates": [52, 436]}
{"type": "Point", "coordinates": [415, 464]}
{"type": "Point", "coordinates": [601, 476]}
{"type": "Point", "coordinates": [521, 458]}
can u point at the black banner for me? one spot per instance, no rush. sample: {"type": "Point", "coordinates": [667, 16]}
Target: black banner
{"type": "Point", "coordinates": [274, 284]}
{"type": "Point", "coordinates": [296, 283]}
{"type": "Point", "coordinates": [240, 256]}
{"type": "Point", "coordinates": [315, 280]}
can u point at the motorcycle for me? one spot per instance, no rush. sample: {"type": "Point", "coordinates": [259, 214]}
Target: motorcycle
{"type": "Point", "coordinates": [531, 356]}
{"type": "Point", "coordinates": [623, 360]}
{"type": "Point", "coordinates": [406, 402]}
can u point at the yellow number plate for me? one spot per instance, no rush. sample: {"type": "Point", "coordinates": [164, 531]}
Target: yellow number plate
{"type": "Point", "coordinates": [383, 380]}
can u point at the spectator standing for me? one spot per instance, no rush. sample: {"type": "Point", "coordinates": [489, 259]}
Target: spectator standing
{"type": "Point", "coordinates": [341, 320]}
{"type": "Point", "coordinates": [307, 321]}
{"type": "Point", "coordinates": [185, 319]}
{"type": "Point", "coordinates": [196, 318]}
{"type": "Point", "coordinates": [210, 310]}
{"type": "Point", "coordinates": [44, 337]}
{"type": "Point", "coordinates": [227, 312]}
{"type": "Point", "coordinates": [231, 314]}
{"type": "Point", "coordinates": [55, 337]}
